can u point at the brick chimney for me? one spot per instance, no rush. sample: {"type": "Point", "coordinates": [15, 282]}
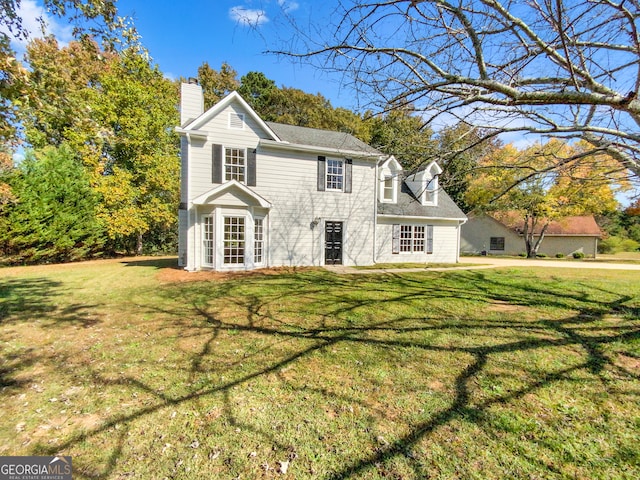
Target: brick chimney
{"type": "Point", "coordinates": [191, 101]}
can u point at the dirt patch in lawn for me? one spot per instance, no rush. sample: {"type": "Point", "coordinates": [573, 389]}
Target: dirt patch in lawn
{"type": "Point", "coordinates": [179, 275]}
{"type": "Point", "coordinates": [504, 307]}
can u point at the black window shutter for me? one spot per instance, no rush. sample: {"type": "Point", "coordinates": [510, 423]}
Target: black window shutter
{"type": "Point", "coordinates": [251, 167]}
{"type": "Point", "coordinates": [322, 171]}
{"type": "Point", "coordinates": [395, 240]}
{"type": "Point", "coordinates": [216, 164]}
{"type": "Point", "coordinates": [348, 168]}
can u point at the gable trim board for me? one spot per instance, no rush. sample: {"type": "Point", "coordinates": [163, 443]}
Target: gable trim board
{"type": "Point", "coordinates": [276, 212]}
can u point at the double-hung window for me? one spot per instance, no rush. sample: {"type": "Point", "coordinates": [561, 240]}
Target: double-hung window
{"type": "Point", "coordinates": [235, 164]}
{"type": "Point", "coordinates": [335, 174]}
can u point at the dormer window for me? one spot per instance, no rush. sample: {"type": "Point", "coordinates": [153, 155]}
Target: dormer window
{"type": "Point", "coordinates": [424, 184]}
{"type": "Point", "coordinates": [388, 189]}
{"type": "Point", "coordinates": [390, 174]}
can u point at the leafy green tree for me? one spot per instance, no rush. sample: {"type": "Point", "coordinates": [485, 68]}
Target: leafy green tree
{"type": "Point", "coordinates": [256, 89]}
{"type": "Point", "coordinates": [117, 112]}
{"type": "Point", "coordinates": [404, 135]}
{"type": "Point", "coordinates": [53, 218]}
{"type": "Point", "coordinates": [60, 84]}
{"type": "Point", "coordinates": [104, 23]}
{"type": "Point", "coordinates": [458, 149]}
{"type": "Point", "coordinates": [216, 84]}
{"type": "Point", "coordinates": [137, 173]}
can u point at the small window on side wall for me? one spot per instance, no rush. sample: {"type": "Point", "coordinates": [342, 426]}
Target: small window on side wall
{"type": "Point", "coordinates": [496, 243]}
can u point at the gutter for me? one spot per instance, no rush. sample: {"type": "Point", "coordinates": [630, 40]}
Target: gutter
{"type": "Point", "coordinates": [313, 149]}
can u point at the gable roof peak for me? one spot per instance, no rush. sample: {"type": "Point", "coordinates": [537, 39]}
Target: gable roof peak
{"type": "Point", "coordinates": [232, 97]}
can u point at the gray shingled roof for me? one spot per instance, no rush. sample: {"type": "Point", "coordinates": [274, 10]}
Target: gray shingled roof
{"type": "Point", "coordinates": [409, 206]}
{"type": "Point", "coordinates": [320, 138]}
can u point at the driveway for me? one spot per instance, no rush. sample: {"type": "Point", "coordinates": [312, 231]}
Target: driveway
{"type": "Point", "coordinates": [498, 262]}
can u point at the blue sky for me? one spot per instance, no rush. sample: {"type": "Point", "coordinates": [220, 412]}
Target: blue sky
{"type": "Point", "coordinates": [181, 35]}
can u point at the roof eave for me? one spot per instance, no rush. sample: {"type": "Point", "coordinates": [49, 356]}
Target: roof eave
{"type": "Point", "coordinates": [416, 217]}
{"type": "Point", "coordinates": [280, 145]}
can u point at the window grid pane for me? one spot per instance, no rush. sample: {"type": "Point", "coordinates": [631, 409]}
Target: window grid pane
{"type": "Point", "coordinates": [234, 165]}
{"type": "Point", "coordinates": [406, 233]}
{"type": "Point", "coordinates": [258, 240]}
{"type": "Point", "coordinates": [418, 238]}
{"type": "Point", "coordinates": [335, 174]}
{"type": "Point", "coordinates": [208, 241]}
{"type": "Point", "coordinates": [234, 240]}
{"type": "Point", "coordinates": [388, 188]}
{"type": "Point", "coordinates": [496, 243]}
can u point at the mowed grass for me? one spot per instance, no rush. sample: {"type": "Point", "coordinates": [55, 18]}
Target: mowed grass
{"type": "Point", "coordinates": [295, 374]}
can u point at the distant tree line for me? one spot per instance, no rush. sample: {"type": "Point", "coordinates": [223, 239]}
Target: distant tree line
{"type": "Point", "coordinates": [100, 174]}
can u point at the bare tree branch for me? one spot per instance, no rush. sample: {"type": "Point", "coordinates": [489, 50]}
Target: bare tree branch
{"type": "Point", "coordinates": [567, 69]}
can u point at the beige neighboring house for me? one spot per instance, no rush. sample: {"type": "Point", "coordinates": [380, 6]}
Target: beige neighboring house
{"type": "Point", "coordinates": [501, 233]}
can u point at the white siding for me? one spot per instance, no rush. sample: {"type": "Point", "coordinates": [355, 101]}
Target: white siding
{"type": "Point", "coordinates": [219, 133]}
{"type": "Point", "coordinates": [289, 181]}
{"type": "Point", "coordinates": [445, 242]}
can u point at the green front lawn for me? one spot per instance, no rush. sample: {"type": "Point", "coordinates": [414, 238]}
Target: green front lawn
{"type": "Point", "coordinates": [485, 374]}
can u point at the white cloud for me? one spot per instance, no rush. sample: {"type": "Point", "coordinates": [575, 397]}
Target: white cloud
{"type": "Point", "coordinates": [248, 17]}
{"type": "Point", "coordinates": [34, 18]}
{"type": "Point", "coordinates": [288, 6]}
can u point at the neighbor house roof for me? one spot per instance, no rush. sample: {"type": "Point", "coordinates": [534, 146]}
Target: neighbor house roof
{"type": "Point", "coordinates": [324, 139]}
{"type": "Point", "coordinates": [584, 225]}
{"type": "Point", "coordinates": [409, 206]}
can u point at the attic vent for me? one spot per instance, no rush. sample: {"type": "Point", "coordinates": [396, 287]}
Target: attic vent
{"type": "Point", "coordinates": [236, 120]}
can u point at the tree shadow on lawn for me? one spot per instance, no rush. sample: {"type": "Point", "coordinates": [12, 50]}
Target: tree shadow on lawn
{"type": "Point", "coordinates": [34, 299]}
{"type": "Point", "coordinates": [305, 315]}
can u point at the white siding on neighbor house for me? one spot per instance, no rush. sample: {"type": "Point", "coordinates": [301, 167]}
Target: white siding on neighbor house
{"type": "Point", "coordinates": [289, 181]}
{"type": "Point", "coordinates": [445, 241]}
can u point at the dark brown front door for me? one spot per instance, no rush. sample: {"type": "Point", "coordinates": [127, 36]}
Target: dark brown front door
{"type": "Point", "coordinates": [333, 243]}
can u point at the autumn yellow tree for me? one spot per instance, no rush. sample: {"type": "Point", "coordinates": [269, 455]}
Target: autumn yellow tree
{"type": "Point", "coordinates": [546, 182]}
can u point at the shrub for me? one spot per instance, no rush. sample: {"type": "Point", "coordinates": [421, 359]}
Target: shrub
{"type": "Point", "coordinates": [578, 255]}
{"type": "Point", "coordinates": [541, 255]}
{"type": "Point", "coordinates": [560, 255]}
{"type": "Point", "coordinates": [615, 244]}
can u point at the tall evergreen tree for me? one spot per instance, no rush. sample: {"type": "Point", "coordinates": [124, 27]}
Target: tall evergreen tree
{"type": "Point", "coordinates": [53, 218]}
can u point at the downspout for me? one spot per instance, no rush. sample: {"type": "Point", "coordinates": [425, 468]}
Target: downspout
{"type": "Point", "coordinates": [462, 222]}
{"type": "Point", "coordinates": [375, 211]}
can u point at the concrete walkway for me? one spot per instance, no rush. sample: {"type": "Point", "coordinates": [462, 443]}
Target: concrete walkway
{"type": "Point", "coordinates": [494, 262]}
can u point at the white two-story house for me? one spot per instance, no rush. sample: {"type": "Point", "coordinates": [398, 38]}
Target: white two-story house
{"type": "Point", "coordinates": [260, 194]}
